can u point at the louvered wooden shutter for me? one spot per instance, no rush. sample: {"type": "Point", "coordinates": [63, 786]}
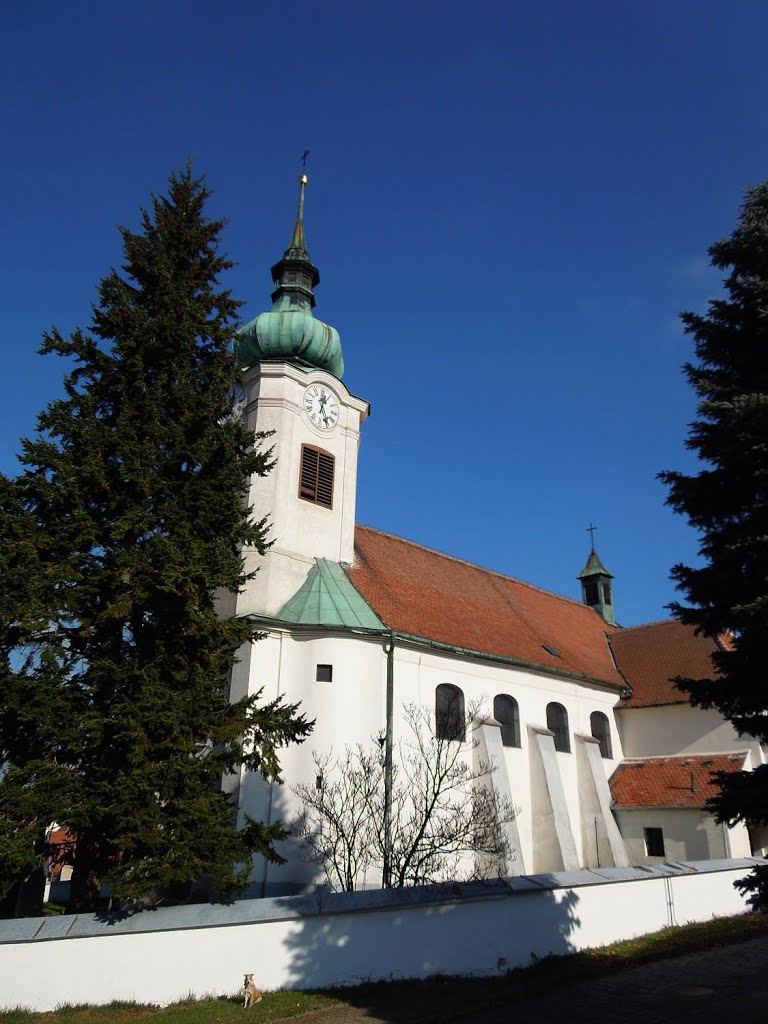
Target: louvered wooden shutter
{"type": "Point", "coordinates": [316, 476]}
{"type": "Point", "coordinates": [591, 593]}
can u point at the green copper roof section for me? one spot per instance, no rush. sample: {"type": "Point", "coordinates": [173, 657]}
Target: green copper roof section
{"type": "Point", "coordinates": [327, 598]}
{"type": "Point", "coordinates": [594, 567]}
{"type": "Point", "coordinates": [289, 330]}
{"type": "Point", "coordinates": [596, 588]}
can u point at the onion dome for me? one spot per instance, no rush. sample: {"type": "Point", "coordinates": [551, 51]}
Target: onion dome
{"type": "Point", "coordinates": [289, 330]}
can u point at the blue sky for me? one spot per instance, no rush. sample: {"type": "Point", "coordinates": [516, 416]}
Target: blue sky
{"type": "Point", "coordinates": [509, 205]}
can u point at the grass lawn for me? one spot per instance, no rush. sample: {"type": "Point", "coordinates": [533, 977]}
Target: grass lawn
{"type": "Point", "coordinates": [437, 998]}
{"type": "Point", "coordinates": [274, 1006]}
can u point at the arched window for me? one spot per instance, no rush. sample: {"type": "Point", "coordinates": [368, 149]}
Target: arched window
{"type": "Point", "coordinates": [506, 713]}
{"type": "Point", "coordinates": [449, 713]}
{"type": "Point", "coordinates": [557, 722]}
{"type": "Point", "coordinates": [601, 730]}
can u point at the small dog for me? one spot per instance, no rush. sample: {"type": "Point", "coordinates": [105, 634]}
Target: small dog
{"type": "Point", "coordinates": [251, 994]}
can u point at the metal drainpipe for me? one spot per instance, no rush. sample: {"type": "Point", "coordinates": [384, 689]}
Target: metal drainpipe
{"type": "Point", "coordinates": [386, 879]}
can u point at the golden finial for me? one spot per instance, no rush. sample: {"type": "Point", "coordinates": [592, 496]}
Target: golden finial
{"type": "Point", "coordinates": [297, 239]}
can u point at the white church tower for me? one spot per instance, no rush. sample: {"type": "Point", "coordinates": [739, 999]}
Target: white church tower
{"type": "Point", "coordinates": [293, 390]}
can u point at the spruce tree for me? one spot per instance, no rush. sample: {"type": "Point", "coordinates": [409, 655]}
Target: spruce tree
{"type": "Point", "coordinates": [127, 521]}
{"type": "Point", "coordinates": [727, 502]}
{"type": "Point", "coordinates": [22, 826]}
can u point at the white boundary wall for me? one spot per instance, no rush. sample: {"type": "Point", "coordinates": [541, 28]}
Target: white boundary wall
{"type": "Point", "coordinates": [324, 939]}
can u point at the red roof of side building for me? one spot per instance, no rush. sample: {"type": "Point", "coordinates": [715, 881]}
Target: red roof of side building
{"type": "Point", "coordinates": [650, 656]}
{"type": "Point", "coordinates": [61, 844]}
{"type": "Point", "coordinates": [684, 781]}
{"type": "Point", "coordinates": [431, 595]}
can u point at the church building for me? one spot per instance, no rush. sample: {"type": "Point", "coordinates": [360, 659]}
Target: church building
{"type": "Point", "coordinates": [605, 760]}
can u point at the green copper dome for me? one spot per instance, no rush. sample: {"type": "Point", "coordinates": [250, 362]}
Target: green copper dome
{"type": "Point", "coordinates": [289, 330]}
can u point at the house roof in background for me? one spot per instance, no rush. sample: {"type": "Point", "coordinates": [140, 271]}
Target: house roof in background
{"type": "Point", "coordinates": [431, 595]}
{"type": "Point", "coordinates": [650, 656]}
{"type": "Point", "coordinates": [670, 781]}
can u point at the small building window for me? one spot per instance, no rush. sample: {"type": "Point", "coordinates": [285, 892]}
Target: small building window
{"type": "Point", "coordinates": [506, 713]}
{"type": "Point", "coordinates": [601, 730]}
{"type": "Point", "coordinates": [607, 592]}
{"type": "Point", "coordinates": [591, 594]}
{"type": "Point", "coordinates": [316, 476]}
{"type": "Point", "coordinates": [557, 722]}
{"type": "Point", "coordinates": [654, 842]}
{"type": "Point", "coordinates": [324, 674]}
{"type": "Point", "coordinates": [449, 713]}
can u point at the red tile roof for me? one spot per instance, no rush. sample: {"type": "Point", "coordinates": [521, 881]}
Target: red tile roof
{"type": "Point", "coordinates": [61, 847]}
{"type": "Point", "coordinates": [427, 594]}
{"type": "Point", "coordinates": [670, 781]}
{"type": "Point", "coordinates": [651, 656]}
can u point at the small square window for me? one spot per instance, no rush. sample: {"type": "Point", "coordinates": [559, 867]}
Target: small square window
{"type": "Point", "coordinates": [654, 842]}
{"type": "Point", "coordinates": [324, 674]}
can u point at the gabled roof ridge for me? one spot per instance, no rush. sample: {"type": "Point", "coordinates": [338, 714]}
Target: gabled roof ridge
{"type": "Point", "coordinates": [685, 757]}
{"type": "Point", "coordinates": [720, 639]}
{"type": "Point", "coordinates": [646, 625]}
{"type": "Point", "coordinates": [474, 565]}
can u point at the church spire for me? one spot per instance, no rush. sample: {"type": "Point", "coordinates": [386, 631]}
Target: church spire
{"type": "Point", "coordinates": [596, 590]}
{"type": "Point", "coordinates": [295, 275]}
{"type": "Point", "coordinates": [289, 330]}
{"type": "Point", "coordinates": [297, 247]}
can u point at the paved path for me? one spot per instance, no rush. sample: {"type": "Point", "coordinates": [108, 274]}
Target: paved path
{"type": "Point", "coordinates": [717, 986]}
{"type": "Point", "coordinates": [713, 987]}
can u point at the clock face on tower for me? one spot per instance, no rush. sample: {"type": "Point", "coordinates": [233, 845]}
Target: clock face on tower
{"type": "Point", "coordinates": [322, 406]}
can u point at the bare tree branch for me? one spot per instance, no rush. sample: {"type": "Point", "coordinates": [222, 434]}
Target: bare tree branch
{"type": "Point", "coordinates": [446, 823]}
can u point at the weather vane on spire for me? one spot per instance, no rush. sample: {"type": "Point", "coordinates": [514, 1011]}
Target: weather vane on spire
{"type": "Point", "coordinates": [297, 239]}
{"type": "Point", "coordinates": [303, 178]}
{"type": "Point", "coordinates": [591, 530]}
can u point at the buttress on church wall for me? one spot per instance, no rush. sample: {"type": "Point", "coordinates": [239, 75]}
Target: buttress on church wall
{"type": "Point", "coordinates": [351, 710]}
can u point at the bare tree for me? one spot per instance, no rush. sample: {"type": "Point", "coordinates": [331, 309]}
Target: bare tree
{"type": "Point", "coordinates": [446, 821]}
{"type": "Point", "coordinates": [341, 812]}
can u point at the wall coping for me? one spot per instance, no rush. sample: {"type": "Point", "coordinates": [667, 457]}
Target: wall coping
{"type": "Point", "coordinates": [256, 911]}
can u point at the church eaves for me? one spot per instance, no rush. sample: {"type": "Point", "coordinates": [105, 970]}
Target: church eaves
{"type": "Point", "coordinates": [421, 593]}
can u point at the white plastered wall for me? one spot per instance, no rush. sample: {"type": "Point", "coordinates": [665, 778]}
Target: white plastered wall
{"type": "Point", "coordinates": [310, 942]}
{"type": "Point", "coordinates": [679, 729]}
{"type": "Point", "coordinates": [689, 834]}
{"type": "Point", "coordinates": [348, 710]}
{"type": "Point", "coordinates": [300, 530]}
{"type": "Point", "coordinates": [351, 709]}
{"type": "Point", "coordinates": [418, 673]}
